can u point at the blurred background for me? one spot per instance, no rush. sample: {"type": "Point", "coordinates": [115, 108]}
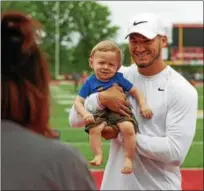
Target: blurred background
{"type": "Point", "coordinates": [72, 28]}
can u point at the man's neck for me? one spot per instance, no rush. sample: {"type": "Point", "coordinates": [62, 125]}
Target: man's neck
{"type": "Point", "coordinates": [154, 69]}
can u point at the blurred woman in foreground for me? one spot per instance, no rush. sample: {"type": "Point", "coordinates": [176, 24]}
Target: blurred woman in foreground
{"type": "Point", "coordinates": [31, 159]}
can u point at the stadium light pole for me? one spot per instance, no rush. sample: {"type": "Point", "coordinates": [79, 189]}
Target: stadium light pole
{"type": "Point", "coordinates": [57, 38]}
{"type": "Point", "coordinates": [181, 42]}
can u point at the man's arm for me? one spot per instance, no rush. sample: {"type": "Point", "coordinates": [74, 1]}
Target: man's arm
{"type": "Point", "coordinates": [180, 124]}
{"type": "Point", "coordinates": [91, 104]}
{"type": "Point", "coordinates": [114, 99]}
{"type": "Point", "coordinates": [74, 119]}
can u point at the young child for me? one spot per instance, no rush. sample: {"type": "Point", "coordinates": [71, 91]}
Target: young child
{"type": "Point", "coordinates": [105, 59]}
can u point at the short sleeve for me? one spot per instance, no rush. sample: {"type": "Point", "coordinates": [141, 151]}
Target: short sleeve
{"type": "Point", "coordinates": [124, 83]}
{"type": "Point", "coordinates": [85, 90]}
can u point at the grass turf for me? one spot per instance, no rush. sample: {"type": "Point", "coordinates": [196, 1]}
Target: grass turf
{"type": "Point", "coordinates": [63, 96]}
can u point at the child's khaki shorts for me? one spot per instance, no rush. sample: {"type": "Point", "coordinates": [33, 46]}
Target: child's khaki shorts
{"type": "Point", "coordinates": [112, 119]}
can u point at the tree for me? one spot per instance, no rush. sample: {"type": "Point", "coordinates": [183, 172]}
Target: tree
{"type": "Point", "coordinates": [81, 24]}
{"type": "Point", "coordinates": [93, 25]}
{"type": "Point", "coordinates": [126, 54]}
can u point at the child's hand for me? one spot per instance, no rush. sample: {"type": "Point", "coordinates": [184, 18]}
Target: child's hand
{"type": "Point", "coordinates": [89, 118]}
{"type": "Point", "coordinates": [146, 112]}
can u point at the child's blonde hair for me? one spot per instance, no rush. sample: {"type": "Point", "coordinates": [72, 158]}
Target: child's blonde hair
{"type": "Point", "coordinates": [107, 45]}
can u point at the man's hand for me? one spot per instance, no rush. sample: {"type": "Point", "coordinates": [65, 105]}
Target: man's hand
{"type": "Point", "coordinates": [114, 99]}
{"type": "Point", "coordinates": [109, 133]}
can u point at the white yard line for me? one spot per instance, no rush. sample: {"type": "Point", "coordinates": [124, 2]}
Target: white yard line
{"type": "Point", "coordinates": [67, 110]}
{"type": "Point", "coordinates": [65, 102]}
{"type": "Point", "coordinates": [64, 96]}
{"type": "Point", "coordinates": [197, 143]}
{"type": "Point", "coordinates": [63, 99]}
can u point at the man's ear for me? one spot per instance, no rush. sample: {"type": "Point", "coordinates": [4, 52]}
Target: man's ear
{"type": "Point", "coordinates": [90, 62]}
{"type": "Point", "coordinates": [164, 41]}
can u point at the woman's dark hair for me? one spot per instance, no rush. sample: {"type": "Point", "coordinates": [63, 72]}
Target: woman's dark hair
{"type": "Point", "coordinates": [24, 74]}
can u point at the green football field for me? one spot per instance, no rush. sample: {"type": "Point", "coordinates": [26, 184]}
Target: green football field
{"type": "Point", "coordinates": [62, 100]}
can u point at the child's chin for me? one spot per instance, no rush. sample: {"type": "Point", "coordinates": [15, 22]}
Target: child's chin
{"type": "Point", "coordinates": [105, 78]}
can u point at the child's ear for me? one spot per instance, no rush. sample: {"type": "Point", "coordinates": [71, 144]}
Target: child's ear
{"type": "Point", "coordinates": [90, 62]}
